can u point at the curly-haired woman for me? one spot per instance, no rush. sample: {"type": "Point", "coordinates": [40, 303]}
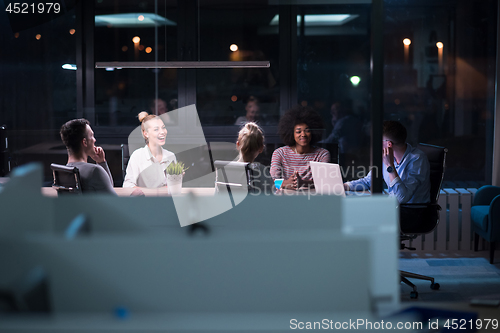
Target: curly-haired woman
{"type": "Point", "coordinates": [299, 129]}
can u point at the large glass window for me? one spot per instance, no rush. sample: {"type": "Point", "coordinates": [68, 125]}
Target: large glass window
{"type": "Point", "coordinates": [238, 31]}
{"type": "Point", "coordinates": [439, 80]}
{"type": "Point", "coordinates": [440, 84]}
{"type": "Point", "coordinates": [37, 80]}
{"type": "Point", "coordinates": [142, 32]}
{"type": "Point", "coordinates": [333, 76]}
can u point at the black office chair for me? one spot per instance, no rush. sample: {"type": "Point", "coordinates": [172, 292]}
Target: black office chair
{"type": "Point", "coordinates": [232, 175]}
{"type": "Point", "coordinates": [66, 179]}
{"type": "Point", "coordinates": [125, 158]}
{"type": "Point", "coordinates": [419, 219]}
{"type": "Point", "coordinates": [4, 152]}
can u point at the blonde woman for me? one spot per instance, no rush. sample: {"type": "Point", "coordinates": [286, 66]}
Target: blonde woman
{"type": "Point", "coordinates": [146, 167]}
{"type": "Point", "coordinates": [250, 144]}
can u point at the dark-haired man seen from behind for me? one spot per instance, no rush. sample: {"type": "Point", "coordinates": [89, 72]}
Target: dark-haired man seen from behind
{"type": "Point", "coordinates": [79, 140]}
{"type": "Point", "coordinates": [405, 168]}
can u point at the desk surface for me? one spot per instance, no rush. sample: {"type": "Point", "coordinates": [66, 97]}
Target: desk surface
{"type": "Point", "coordinates": [149, 192]}
{"type": "Point", "coordinates": [162, 192]}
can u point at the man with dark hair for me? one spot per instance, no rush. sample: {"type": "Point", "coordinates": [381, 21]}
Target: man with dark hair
{"type": "Point", "coordinates": [406, 169]}
{"type": "Point", "coordinates": [79, 140]}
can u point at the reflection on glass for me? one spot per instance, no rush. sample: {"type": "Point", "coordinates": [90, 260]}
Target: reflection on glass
{"type": "Point", "coordinates": [440, 90]}
{"type": "Point", "coordinates": [333, 76]}
{"type": "Point", "coordinates": [122, 93]}
{"type": "Point", "coordinates": [238, 32]}
{"type": "Point", "coordinates": [130, 33]}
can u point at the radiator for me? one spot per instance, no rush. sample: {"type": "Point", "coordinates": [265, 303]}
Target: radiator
{"type": "Point", "coordinates": [453, 233]}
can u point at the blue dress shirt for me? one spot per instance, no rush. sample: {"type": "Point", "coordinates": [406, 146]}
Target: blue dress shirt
{"type": "Point", "coordinates": [413, 184]}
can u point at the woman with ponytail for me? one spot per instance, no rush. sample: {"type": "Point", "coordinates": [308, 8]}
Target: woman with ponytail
{"type": "Point", "coordinates": [250, 144]}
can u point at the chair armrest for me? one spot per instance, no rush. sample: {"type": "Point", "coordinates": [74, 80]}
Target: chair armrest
{"type": "Point", "coordinates": [494, 219]}
{"type": "Point", "coordinates": [485, 195]}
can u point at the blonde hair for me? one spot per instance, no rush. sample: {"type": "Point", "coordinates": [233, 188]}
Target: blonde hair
{"type": "Point", "coordinates": [143, 118]}
{"type": "Point", "coordinates": [251, 139]}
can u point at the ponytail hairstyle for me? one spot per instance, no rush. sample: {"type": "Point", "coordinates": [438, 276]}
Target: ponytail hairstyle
{"type": "Point", "coordinates": [251, 140]}
{"type": "Point", "coordinates": [143, 118]}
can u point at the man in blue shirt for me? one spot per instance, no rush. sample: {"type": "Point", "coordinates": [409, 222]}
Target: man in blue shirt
{"type": "Point", "coordinates": [406, 169]}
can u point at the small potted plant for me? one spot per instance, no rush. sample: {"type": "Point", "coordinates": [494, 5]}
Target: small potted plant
{"type": "Point", "coordinates": [174, 172]}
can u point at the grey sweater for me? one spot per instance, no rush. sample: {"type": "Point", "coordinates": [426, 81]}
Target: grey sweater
{"type": "Point", "coordinates": [95, 177]}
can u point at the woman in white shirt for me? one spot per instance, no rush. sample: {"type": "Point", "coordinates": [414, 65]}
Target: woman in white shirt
{"type": "Point", "coordinates": [146, 166]}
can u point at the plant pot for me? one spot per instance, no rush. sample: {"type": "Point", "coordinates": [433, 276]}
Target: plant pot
{"type": "Point", "coordinates": [174, 184]}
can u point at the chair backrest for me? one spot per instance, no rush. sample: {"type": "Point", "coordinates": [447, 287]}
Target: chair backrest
{"type": "Point", "coordinates": [125, 158]}
{"type": "Point", "coordinates": [66, 179]}
{"type": "Point", "coordinates": [437, 161]}
{"type": "Point", "coordinates": [4, 152]}
{"type": "Point", "coordinates": [233, 175]}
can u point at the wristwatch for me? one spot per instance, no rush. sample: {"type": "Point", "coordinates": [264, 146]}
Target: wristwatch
{"type": "Point", "coordinates": [390, 169]}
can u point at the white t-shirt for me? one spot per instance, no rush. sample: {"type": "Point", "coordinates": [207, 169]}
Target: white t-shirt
{"type": "Point", "coordinates": [144, 170]}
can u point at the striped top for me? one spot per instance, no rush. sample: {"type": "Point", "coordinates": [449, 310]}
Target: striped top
{"type": "Point", "coordinates": [285, 161]}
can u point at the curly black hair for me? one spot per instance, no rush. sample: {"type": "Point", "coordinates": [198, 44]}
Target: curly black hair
{"type": "Point", "coordinates": [72, 134]}
{"type": "Point", "coordinates": [300, 115]}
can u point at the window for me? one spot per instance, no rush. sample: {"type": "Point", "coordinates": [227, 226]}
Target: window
{"type": "Point", "coordinates": [238, 31]}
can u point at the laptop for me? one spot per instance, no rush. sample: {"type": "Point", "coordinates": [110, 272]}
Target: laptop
{"type": "Point", "coordinates": [327, 178]}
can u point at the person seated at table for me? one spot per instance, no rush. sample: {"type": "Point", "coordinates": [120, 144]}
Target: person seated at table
{"type": "Point", "coordinates": [146, 166]}
{"type": "Point", "coordinates": [250, 144]}
{"type": "Point", "coordinates": [78, 137]}
{"type": "Point", "coordinates": [299, 129]}
{"type": "Point", "coordinates": [405, 169]}
{"type": "Point", "coordinates": [252, 109]}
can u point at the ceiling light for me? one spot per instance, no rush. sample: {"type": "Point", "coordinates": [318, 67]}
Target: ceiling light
{"type": "Point", "coordinates": [130, 20]}
{"type": "Point", "coordinates": [69, 66]}
{"type": "Point", "coordinates": [319, 19]}
{"type": "Point", "coordinates": [355, 80]}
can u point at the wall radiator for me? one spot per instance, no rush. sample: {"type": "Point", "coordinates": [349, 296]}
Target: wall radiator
{"type": "Point", "coordinates": [453, 233]}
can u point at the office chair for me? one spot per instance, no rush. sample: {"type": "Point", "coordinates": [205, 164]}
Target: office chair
{"type": "Point", "coordinates": [66, 179]}
{"type": "Point", "coordinates": [125, 158]}
{"type": "Point", "coordinates": [234, 176]}
{"type": "Point", "coordinates": [485, 216]}
{"type": "Point", "coordinates": [4, 152]}
{"type": "Point", "coordinates": [419, 219]}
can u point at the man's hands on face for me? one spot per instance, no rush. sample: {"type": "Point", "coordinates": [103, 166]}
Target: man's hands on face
{"type": "Point", "coordinates": [99, 156]}
{"type": "Point", "coordinates": [388, 156]}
